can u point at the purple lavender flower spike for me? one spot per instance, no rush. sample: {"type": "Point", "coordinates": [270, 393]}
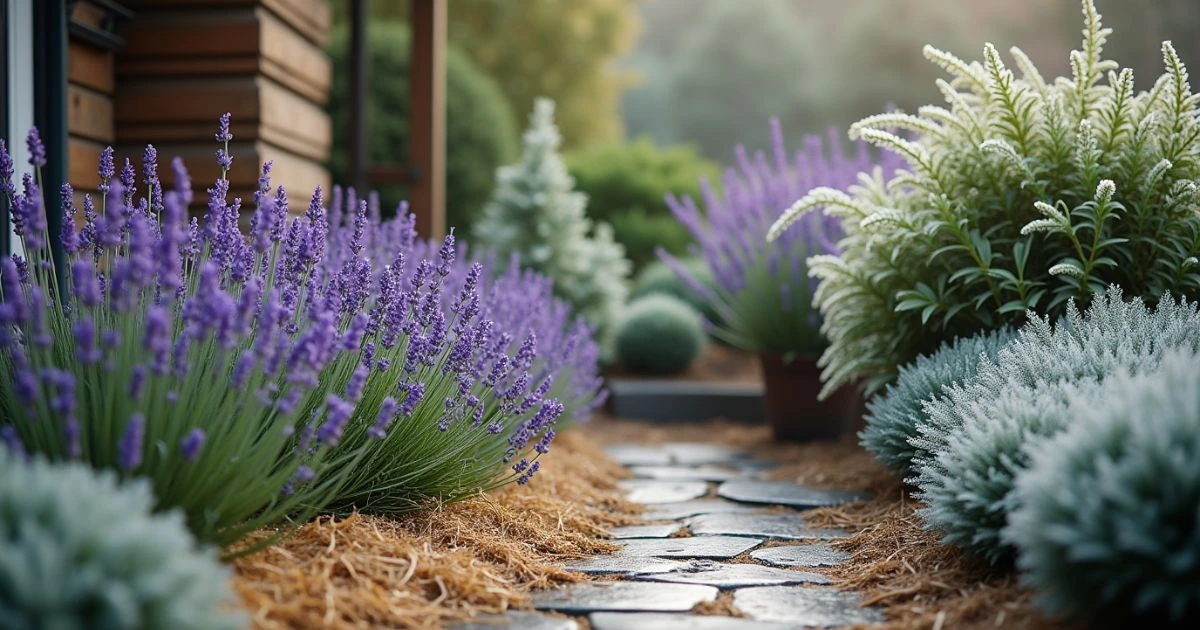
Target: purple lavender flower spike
{"type": "Point", "coordinates": [7, 170]}
{"type": "Point", "coordinates": [338, 412]}
{"type": "Point", "coordinates": [107, 170]}
{"type": "Point", "coordinates": [37, 150]}
{"type": "Point", "coordinates": [8, 435]}
{"type": "Point", "coordinates": [387, 413]}
{"type": "Point", "coordinates": [223, 134]}
{"type": "Point", "coordinates": [190, 445]}
{"type": "Point", "coordinates": [129, 449]}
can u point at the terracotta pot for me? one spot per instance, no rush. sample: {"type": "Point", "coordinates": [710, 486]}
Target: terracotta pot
{"type": "Point", "coordinates": [792, 407]}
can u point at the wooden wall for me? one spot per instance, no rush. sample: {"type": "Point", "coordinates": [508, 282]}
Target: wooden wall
{"type": "Point", "coordinates": [185, 62]}
{"type": "Point", "coordinates": [90, 89]}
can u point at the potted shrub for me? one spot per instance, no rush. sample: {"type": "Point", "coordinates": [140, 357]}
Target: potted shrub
{"type": "Point", "coordinates": [763, 294]}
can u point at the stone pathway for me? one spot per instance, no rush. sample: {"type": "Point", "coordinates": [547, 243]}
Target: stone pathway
{"type": "Point", "coordinates": [717, 527]}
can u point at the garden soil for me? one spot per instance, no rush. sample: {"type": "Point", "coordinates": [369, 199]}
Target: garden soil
{"type": "Point", "coordinates": [424, 570]}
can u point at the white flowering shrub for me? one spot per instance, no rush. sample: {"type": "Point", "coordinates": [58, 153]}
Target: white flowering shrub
{"type": "Point", "coordinates": [80, 552]}
{"type": "Point", "coordinates": [971, 444]}
{"type": "Point", "coordinates": [893, 416]}
{"type": "Point", "coordinates": [1107, 517]}
{"type": "Point", "coordinates": [536, 214]}
{"type": "Point", "coordinates": [1020, 194]}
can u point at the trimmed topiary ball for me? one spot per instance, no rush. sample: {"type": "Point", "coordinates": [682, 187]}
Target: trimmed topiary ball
{"type": "Point", "coordinates": [892, 417]}
{"type": "Point", "coordinates": [975, 434]}
{"type": "Point", "coordinates": [659, 334]}
{"type": "Point", "coordinates": [77, 551]}
{"type": "Point", "coordinates": [1108, 523]}
{"type": "Point", "coordinates": [657, 277]}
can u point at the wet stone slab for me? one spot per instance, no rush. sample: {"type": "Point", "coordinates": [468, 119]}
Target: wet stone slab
{"type": "Point", "coordinates": [805, 606]}
{"type": "Point", "coordinates": [726, 576]}
{"type": "Point", "coordinates": [651, 491]}
{"type": "Point", "coordinates": [777, 525]}
{"type": "Point", "coordinates": [518, 619]}
{"type": "Point", "coordinates": [667, 621]}
{"type": "Point", "coordinates": [709, 547]}
{"type": "Point", "coordinates": [624, 565]}
{"type": "Point", "coordinates": [785, 493]}
{"type": "Point", "coordinates": [644, 531]}
{"type": "Point", "coordinates": [816, 555]}
{"type": "Point", "coordinates": [677, 454]}
{"type": "Point", "coordinates": [707, 472]}
{"type": "Point", "coordinates": [638, 455]}
{"type": "Point", "coordinates": [672, 511]}
{"type": "Point", "coordinates": [624, 597]}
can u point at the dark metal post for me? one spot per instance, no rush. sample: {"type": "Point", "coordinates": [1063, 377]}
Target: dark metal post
{"type": "Point", "coordinates": [359, 69]}
{"type": "Point", "coordinates": [50, 113]}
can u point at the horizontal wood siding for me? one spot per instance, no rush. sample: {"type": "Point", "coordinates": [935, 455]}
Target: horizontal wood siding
{"type": "Point", "coordinates": [186, 62]}
{"type": "Point", "coordinates": [90, 88]}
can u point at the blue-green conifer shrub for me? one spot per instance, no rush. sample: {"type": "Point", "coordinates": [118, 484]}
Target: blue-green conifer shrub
{"type": "Point", "coordinates": [892, 417]}
{"type": "Point", "coordinates": [80, 552]}
{"type": "Point", "coordinates": [1108, 518]}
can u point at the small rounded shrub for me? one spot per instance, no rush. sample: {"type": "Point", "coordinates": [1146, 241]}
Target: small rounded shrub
{"type": "Point", "coordinates": [481, 128]}
{"type": "Point", "coordinates": [79, 551]}
{"type": "Point", "coordinates": [659, 334]}
{"type": "Point", "coordinates": [657, 277]}
{"type": "Point", "coordinates": [971, 444]}
{"type": "Point", "coordinates": [1108, 518]}
{"type": "Point", "coordinates": [893, 417]}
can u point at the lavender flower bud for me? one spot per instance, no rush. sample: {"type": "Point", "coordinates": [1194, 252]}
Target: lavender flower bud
{"type": "Point", "coordinates": [338, 413]}
{"type": "Point", "coordinates": [190, 445]}
{"type": "Point", "coordinates": [107, 170]}
{"type": "Point", "coordinates": [387, 413]}
{"type": "Point", "coordinates": [129, 449]}
{"type": "Point", "coordinates": [37, 150]}
{"type": "Point", "coordinates": [7, 170]}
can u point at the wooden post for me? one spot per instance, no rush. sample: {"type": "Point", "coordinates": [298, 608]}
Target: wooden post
{"type": "Point", "coordinates": [427, 127]}
{"type": "Point", "coordinates": [359, 69]}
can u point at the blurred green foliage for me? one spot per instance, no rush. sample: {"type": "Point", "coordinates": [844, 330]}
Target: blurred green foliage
{"type": "Point", "coordinates": [558, 49]}
{"type": "Point", "coordinates": [657, 277]}
{"type": "Point", "coordinates": [481, 134]}
{"type": "Point", "coordinates": [626, 184]}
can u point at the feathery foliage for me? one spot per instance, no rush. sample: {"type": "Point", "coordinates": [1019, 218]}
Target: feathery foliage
{"type": "Point", "coordinates": [1018, 195]}
{"type": "Point", "coordinates": [893, 416]}
{"type": "Point", "coordinates": [536, 214]}
{"type": "Point", "coordinates": [78, 551]}
{"type": "Point", "coordinates": [972, 443]}
{"type": "Point", "coordinates": [1107, 523]}
{"type": "Point", "coordinates": [659, 334]}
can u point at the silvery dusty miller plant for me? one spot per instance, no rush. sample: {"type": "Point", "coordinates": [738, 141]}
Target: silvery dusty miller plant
{"type": "Point", "coordinates": [894, 415]}
{"type": "Point", "coordinates": [536, 214]}
{"type": "Point", "coordinates": [763, 296]}
{"type": "Point", "coordinates": [78, 551]}
{"type": "Point", "coordinates": [1108, 526]}
{"type": "Point", "coordinates": [972, 442]}
{"type": "Point", "coordinates": [1018, 195]}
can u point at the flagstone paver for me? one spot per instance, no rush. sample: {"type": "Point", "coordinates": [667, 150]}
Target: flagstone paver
{"type": "Point", "coordinates": [777, 525]}
{"type": "Point", "coordinates": [658, 578]}
{"type": "Point", "coordinates": [652, 491]}
{"type": "Point", "coordinates": [804, 605]}
{"type": "Point", "coordinates": [815, 555]}
{"type": "Point", "coordinates": [518, 619]}
{"type": "Point", "coordinates": [785, 493]}
{"type": "Point", "coordinates": [708, 547]}
{"type": "Point", "coordinates": [726, 576]}
{"type": "Point", "coordinates": [624, 597]}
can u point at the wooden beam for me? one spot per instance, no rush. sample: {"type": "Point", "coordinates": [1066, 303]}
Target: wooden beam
{"type": "Point", "coordinates": [356, 135]}
{"type": "Point", "coordinates": [427, 128]}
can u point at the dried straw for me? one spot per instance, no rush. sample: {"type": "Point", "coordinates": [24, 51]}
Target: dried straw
{"type": "Point", "coordinates": [423, 570]}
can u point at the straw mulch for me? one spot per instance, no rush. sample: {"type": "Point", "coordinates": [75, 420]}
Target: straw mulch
{"type": "Point", "coordinates": [895, 562]}
{"type": "Point", "coordinates": [424, 570]}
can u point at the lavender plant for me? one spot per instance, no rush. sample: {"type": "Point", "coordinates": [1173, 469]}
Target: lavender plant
{"type": "Point", "coordinates": [80, 551]}
{"type": "Point", "coordinates": [258, 376]}
{"type": "Point", "coordinates": [1017, 196]}
{"type": "Point", "coordinates": [763, 296]}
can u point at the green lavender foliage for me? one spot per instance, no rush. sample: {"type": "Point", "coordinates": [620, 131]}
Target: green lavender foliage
{"type": "Point", "coordinates": [893, 417]}
{"type": "Point", "coordinates": [659, 334]}
{"type": "Point", "coordinates": [536, 213]}
{"type": "Point", "coordinates": [78, 551]}
{"type": "Point", "coordinates": [972, 444]}
{"type": "Point", "coordinates": [657, 277]}
{"type": "Point", "coordinates": [1020, 194]}
{"type": "Point", "coordinates": [1108, 523]}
